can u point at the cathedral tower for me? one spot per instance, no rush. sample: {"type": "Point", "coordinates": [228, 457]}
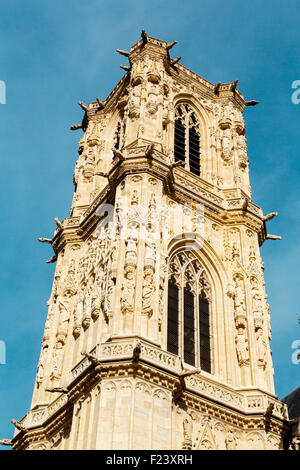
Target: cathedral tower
{"type": "Point", "coordinates": [158, 326]}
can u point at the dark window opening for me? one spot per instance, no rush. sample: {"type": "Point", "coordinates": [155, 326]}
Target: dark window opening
{"type": "Point", "coordinates": [172, 342]}
{"type": "Point", "coordinates": [189, 328]}
{"type": "Point", "coordinates": [205, 360]}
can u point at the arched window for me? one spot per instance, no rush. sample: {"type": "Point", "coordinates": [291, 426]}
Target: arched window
{"type": "Point", "coordinates": [189, 329]}
{"type": "Point", "coordinates": [187, 138]}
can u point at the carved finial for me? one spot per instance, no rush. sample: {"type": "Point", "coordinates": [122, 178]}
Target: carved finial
{"type": "Point", "coordinates": [269, 410]}
{"type": "Point", "coordinates": [149, 150]}
{"type": "Point", "coordinates": [234, 85]}
{"type": "Point", "coordinates": [123, 52]}
{"type": "Point", "coordinates": [58, 222]}
{"type": "Point", "coordinates": [45, 240]}
{"type": "Point", "coordinates": [251, 103]}
{"type": "Point", "coordinates": [57, 390]}
{"type": "Point", "coordinates": [144, 36]}
{"type": "Point", "coordinates": [136, 352]}
{"type": "Point", "coordinates": [52, 259]}
{"type": "Point", "coordinates": [93, 359]}
{"type": "Point", "coordinates": [245, 203]}
{"type": "Point", "coordinates": [273, 237]}
{"type": "Point", "coordinates": [170, 45]}
{"type": "Point", "coordinates": [125, 67]}
{"type": "Point", "coordinates": [270, 216]}
{"type": "Point", "coordinates": [176, 164]}
{"type": "Point", "coordinates": [100, 103]}
{"type": "Point", "coordinates": [83, 106]}
{"type": "Point", "coordinates": [217, 88]}
{"type": "Point", "coordinates": [174, 61]}
{"type": "Point", "coordinates": [18, 425]}
{"type": "Point", "coordinates": [5, 442]}
{"type": "Point", "coordinates": [100, 173]}
{"type": "Point", "coordinates": [118, 154]}
{"type": "Point", "coordinates": [76, 127]}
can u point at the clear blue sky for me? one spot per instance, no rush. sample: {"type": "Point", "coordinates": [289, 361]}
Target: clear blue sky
{"type": "Point", "coordinates": [53, 54]}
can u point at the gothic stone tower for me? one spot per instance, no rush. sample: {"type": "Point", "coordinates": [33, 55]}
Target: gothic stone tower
{"type": "Point", "coordinates": [158, 328]}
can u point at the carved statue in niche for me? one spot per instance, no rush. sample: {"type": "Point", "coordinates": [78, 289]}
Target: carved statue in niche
{"type": "Point", "coordinates": [131, 245]}
{"type": "Point", "coordinates": [69, 288]}
{"type": "Point", "coordinates": [261, 348]}
{"type": "Point", "coordinates": [148, 292]}
{"type": "Point", "coordinates": [48, 325]}
{"type": "Point", "coordinates": [89, 164]}
{"type": "Point", "coordinates": [128, 290]}
{"type": "Point", "coordinates": [134, 213]}
{"type": "Point", "coordinates": [119, 218]}
{"type": "Point", "coordinates": [40, 367]}
{"type": "Point", "coordinates": [239, 297]}
{"type": "Point", "coordinates": [226, 145]}
{"type": "Point", "coordinates": [57, 359]}
{"type": "Point", "coordinates": [242, 348]}
{"type": "Point", "coordinates": [257, 305]}
{"type": "Point", "coordinates": [78, 313]}
{"type": "Point", "coordinates": [152, 215]}
{"type": "Point", "coordinates": [97, 295]}
{"type": "Point", "coordinates": [109, 299]}
{"type": "Point", "coordinates": [87, 306]}
{"type": "Point", "coordinates": [64, 316]}
{"type": "Point", "coordinates": [134, 101]}
{"type": "Point", "coordinates": [152, 100]}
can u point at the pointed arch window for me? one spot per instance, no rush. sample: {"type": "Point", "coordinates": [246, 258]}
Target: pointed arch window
{"type": "Point", "coordinates": [189, 322]}
{"type": "Point", "coordinates": [187, 138]}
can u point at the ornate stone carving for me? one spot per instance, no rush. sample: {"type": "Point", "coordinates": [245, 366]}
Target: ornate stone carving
{"type": "Point", "coordinates": [128, 290]}
{"type": "Point", "coordinates": [148, 292]}
{"type": "Point", "coordinates": [242, 347]}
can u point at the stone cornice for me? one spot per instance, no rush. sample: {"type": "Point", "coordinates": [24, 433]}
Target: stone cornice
{"type": "Point", "coordinates": [161, 368]}
{"type": "Point", "coordinates": [179, 184]}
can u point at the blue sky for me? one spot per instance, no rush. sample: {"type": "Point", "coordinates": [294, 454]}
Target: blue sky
{"type": "Point", "coordinates": [53, 54]}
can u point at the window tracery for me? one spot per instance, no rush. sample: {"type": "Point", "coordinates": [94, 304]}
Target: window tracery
{"type": "Point", "coordinates": [187, 138]}
{"type": "Point", "coordinates": [189, 297]}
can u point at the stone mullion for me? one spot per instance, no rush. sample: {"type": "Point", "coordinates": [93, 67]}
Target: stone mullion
{"type": "Point", "coordinates": [221, 362]}
{"type": "Point", "coordinates": [180, 316]}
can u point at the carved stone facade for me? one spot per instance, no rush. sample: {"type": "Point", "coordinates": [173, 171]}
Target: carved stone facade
{"type": "Point", "coordinates": [141, 220]}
